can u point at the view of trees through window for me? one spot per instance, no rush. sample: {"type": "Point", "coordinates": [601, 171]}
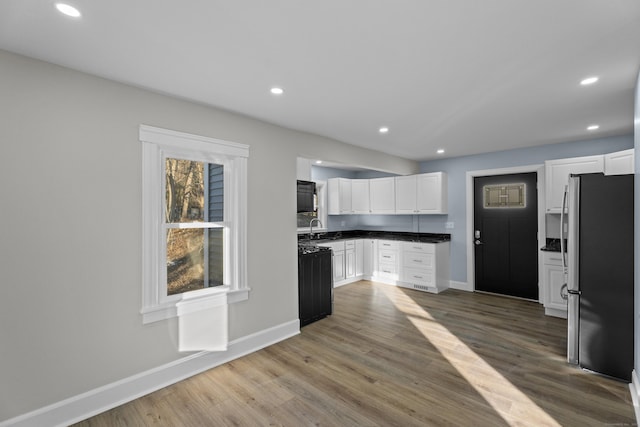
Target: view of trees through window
{"type": "Point", "coordinates": [194, 199]}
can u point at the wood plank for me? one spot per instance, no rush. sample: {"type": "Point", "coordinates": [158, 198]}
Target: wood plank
{"type": "Point", "coordinates": [395, 356]}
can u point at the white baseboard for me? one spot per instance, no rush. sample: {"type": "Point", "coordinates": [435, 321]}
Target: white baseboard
{"type": "Point", "coordinates": [103, 398]}
{"type": "Point", "coordinates": [634, 388]}
{"type": "Point", "coordinates": [462, 286]}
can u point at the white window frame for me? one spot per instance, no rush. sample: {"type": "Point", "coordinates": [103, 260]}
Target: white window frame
{"type": "Point", "coordinates": [157, 145]}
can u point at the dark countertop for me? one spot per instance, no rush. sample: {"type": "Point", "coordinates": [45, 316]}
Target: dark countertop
{"type": "Point", "coordinates": [369, 234]}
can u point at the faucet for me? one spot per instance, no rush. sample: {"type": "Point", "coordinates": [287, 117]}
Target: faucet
{"type": "Point", "coordinates": [311, 226]}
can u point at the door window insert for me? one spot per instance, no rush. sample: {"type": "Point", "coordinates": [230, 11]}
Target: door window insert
{"type": "Point", "coordinates": [504, 196]}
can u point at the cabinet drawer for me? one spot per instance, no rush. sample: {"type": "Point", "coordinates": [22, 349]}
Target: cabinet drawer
{"type": "Point", "coordinates": [427, 248]}
{"type": "Point", "coordinates": [418, 260]}
{"type": "Point", "coordinates": [350, 244]}
{"type": "Point", "coordinates": [388, 244]}
{"type": "Point", "coordinates": [387, 271]}
{"type": "Point", "coordinates": [387, 256]}
{"type": "Point", "coordinates": [388, 268]}
{"type": "Point", "coordinates": [553, 258]}
{"type": "Point", "coordinates": [418, 277]}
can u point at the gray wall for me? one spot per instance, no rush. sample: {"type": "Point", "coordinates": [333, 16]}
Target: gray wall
{"type": "Point", "coordinates": [70, 239]}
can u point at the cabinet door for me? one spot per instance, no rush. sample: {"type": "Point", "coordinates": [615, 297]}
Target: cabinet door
{"type": "Point", "coordinates": [339, 196]}
{"type": "Point", "coordinates": [406, 192]}
{"type": "Point", "coordinates": [350, 263]}
{"type": "Point", "coordinates": [360, 196]}
{"type": "Point", "coordinates": [554, 281]}
{"type": "Point", "coordinates": [345, 196]}
{"type": "Point", "coordinates": [382, 195]}
{"type": "Point", "coordinates": [431, 193]}
{"type": "Point", "coordinates": [338, 266]}
{"type": "Point", "coordinates": [359, 257]}
{"type": "Point", "coordinates": [370, 262]}
{"type": "Point", "coordinates": [619, 163]}
{"type": "Point", "coordinates": [557, 176]}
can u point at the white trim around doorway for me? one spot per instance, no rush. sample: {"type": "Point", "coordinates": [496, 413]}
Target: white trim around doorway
{"type": "Point", "coordinates": [539, 169]}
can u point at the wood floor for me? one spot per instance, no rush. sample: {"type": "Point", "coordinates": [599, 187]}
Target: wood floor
{"type": "Point", "coordinates": [397, 357]}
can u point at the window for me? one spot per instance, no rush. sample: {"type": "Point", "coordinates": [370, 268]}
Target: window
{"type": "Point", "coordinates": [504, 196]}
{"type": "Point", "coordinates": [194, 222]}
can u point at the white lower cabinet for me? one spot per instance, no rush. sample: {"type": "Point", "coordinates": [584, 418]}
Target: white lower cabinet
{"type": "Point", "coordinates": [421, 266]}
{"type": "Point", "coordinates": [370, 258]}
{"type": "Point", "coordinates": [348, 257]}
{"type": "Point", "coordinates": [387, 260]}
{"type": "Point", "coordinates": [425, 266]}
{"type": "Point", "coordinates": [554, 280]}
{"type": "Point", "coordinates": [359, 255]}
{"type": "Point", "coordinates": [339, 273]}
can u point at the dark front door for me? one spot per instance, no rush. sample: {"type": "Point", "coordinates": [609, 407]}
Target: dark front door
{"type": "Point", "coordinates": [505, 235]}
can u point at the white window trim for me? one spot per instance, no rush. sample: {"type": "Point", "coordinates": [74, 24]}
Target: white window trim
{"type": "Point", "coordinates": [157, 144]}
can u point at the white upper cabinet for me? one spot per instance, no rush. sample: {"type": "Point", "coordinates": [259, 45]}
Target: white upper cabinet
{"type": "Point", "coordinates": [382, 195]}
{"type": "Point", "coordinates": [619, 163]}
{"type": "Point", "coordinates": [412, 194]}
{"type": "Point", "coordinates": [339, 195]}
{"type": "Point", "coordinates": [360, 196]}
{"type": "Point", "coordinates": [406, 194]}
{"type": "Point", "coordinates": [557, 177]}
{"type": "Point", "coordinates": [422, 194]}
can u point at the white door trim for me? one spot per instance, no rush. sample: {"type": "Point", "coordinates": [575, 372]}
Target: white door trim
{"type": "Point", "coordinates": [539, 169]}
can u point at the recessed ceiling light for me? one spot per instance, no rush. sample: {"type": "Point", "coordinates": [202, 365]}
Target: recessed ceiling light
{"type": "Point", "coordinates": [318, 162]}
{"type": "Point", "coordinates": [277, 90]}
{"type": "Point", "coordinates": [440, 151]}
{"type": "Point", "coordinates": [383, 129]}
{"type": "Point", "coordinates": [68, 10]}
{"type": "Point", "coordinates": [589, 81]}
{"type": "Point", "coordinates": [593, 127]}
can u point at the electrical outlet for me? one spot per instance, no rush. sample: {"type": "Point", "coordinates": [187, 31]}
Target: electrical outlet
{"type": "Point", "coordinates": [448, 225]}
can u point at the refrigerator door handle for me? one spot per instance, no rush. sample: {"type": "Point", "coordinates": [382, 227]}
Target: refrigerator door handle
{"type": "Point", "coordinates": [563, 249]}
{"type": "Point", "coordinates": [573, 281]}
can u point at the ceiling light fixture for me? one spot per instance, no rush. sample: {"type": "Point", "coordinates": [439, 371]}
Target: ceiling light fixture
{"type": "Point", "coordinates": [440, 151]}
{"type": "Point", "coordinates": [318, 162]}
{"type": "Point", "coordinates": [68, 10]}
{"type": "Point", "coordinates": [593, 127]}
{"type": "Point", "coordinates": [277, 90]}
{"type": "Point", "coordinates": [589, 81]}
{"type": "Point", "coordinates": [383, 129]}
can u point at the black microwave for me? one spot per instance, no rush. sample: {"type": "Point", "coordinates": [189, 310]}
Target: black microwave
{"type": "Point", "coordinates": [306, 195]}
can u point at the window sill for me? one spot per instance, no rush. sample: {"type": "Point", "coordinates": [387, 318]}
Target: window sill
{"type": "Point", "coordinates": [192, 302]}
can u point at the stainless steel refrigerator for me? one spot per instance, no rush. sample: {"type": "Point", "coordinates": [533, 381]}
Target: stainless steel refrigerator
{"type": "Point", "coordinates": [599, 266]}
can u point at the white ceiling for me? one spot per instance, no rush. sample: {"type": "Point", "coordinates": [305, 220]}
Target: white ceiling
{"type": "Point", "coordinates": [468, 76]}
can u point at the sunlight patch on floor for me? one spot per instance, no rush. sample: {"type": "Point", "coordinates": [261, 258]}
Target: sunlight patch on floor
{"type": "Point", "coordinates": [507, 400]}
